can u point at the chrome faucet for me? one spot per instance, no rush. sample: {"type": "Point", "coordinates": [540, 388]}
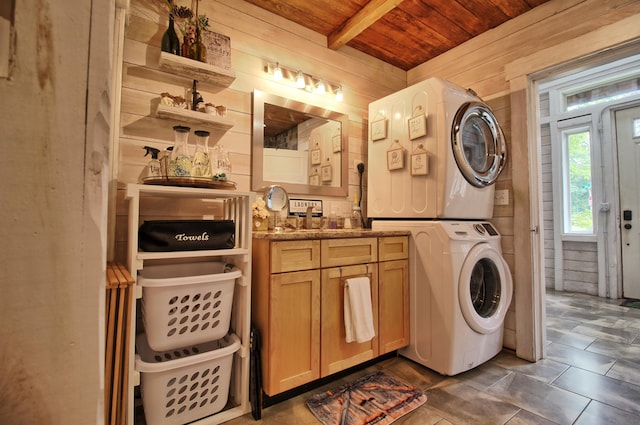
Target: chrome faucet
{"type": "Point", "coordinates": [308, 222]}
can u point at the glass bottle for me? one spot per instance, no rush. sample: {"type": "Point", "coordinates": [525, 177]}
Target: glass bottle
{"type": "Point", "coordinates": [201, 166]}
{"type": "Point", "coordinates": [180, 165]}
{"type": "Point", "coordinates": [221, 162]}
{"type": "Point", "coordinates": [198, 49]}
{"type": "Point", "coordinates": [186, 47]}
{"type": "Point", "coordinates": [170, 41]}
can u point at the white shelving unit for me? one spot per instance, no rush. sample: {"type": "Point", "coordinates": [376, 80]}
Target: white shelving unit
{"type": "Point", "coordinates": [234, 206]}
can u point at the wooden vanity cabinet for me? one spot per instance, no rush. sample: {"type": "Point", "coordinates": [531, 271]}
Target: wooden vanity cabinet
{"type": "Point", "coordinates": [298, 304]}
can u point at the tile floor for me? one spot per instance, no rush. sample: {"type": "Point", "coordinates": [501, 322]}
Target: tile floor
{"type": "Point", "coordinates": [591, 375]}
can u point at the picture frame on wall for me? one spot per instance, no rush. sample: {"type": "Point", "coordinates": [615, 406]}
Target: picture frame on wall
{"type": "Point", "coordinates": [395, 157]}
{"type": "Point", "coordinates": [337, 143]}
{"type": "Point", "coordinates": [417, 126]}
{"type": "Point", "coordinates": [326, 172]}
{"type": "Point", "coordinates": [315, 157]}
{"type": "Point", "coordinates": [419, 162]}
{"type": "Point", "coordinates": [379, 129]}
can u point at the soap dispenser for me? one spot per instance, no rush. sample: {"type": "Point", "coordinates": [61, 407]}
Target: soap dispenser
{"type": "Point", "coordinates": [356, 214]}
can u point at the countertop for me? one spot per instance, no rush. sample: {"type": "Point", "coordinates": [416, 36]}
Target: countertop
{"type": "Point", "coordinates": [303, 234]}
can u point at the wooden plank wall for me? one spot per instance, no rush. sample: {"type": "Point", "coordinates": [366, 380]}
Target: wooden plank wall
{"type": "Point", "coordinates": [549, 36]}
{"type": "Point", "coordinates": [580, 266]}
{"type": "Point", "coordinates": [257, 38]}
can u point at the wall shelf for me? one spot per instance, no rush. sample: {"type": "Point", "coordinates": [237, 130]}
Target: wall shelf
{"type": "Point", "coordinates": [180, 114]}
{"type": "Point", "coordinates": [196, 70]}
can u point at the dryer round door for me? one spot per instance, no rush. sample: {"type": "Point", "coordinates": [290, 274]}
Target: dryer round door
{"type": "Point", "coordinates": [484, 289]}
{"type": "Point", "coordinates": [478, 143]}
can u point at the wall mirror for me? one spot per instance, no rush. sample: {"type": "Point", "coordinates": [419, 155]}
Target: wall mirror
{"type": "Point", "coordinates": [301, 147]}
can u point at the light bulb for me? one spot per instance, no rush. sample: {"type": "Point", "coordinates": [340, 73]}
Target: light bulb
{"type": "Point", "coordinates": [339, 95]}
{"type": "Point", "coordinates": [277, 72]}
{"type": "Point", "coordinates": [320, 89]}
{"type": "Point", "coordinates": [300, 83]}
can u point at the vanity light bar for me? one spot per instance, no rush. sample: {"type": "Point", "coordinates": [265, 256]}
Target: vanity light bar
{"type": "Point", "coordinates": [304, 81]}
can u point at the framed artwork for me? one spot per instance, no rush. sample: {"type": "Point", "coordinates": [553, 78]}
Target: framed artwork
{"type": "Point", "coordinates": [395, 157]}
{"type": "Point", "coordinates": [315, 157]}
{"type": "Point", "coordinates": [419, 164]}
{"type": "Point", "coordinates": [379, 129]}
{"type": "Point", "coordinates": [326, 173]}
{"type": "Point", "coordinates": [314, 180]}
{"type": "Point", "coordinates": [337, 143]}
{"type": "Point", "coordinates": [417, 126]}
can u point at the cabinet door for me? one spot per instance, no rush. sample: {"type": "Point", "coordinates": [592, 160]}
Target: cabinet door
{"type": "Point", "coordinates": [294, 331]}
{"type": "Point", "coordinates": [337, 354]}
{"type": "Point", "coordinates": [393, 313]}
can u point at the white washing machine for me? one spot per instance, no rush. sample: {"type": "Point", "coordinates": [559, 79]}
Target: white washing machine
{"type": "Point", "coordinates": [435, 150]}
{"type": "Point", "coordinates": [460, 291]}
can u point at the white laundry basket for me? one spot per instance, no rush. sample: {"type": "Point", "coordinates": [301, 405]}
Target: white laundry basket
{"type": "Point", "coordinates": [186, 384]}
{"type": "Point", "coordinates": [186, 304]}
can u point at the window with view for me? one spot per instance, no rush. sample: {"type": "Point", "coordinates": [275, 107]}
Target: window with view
{"type": "Point", "coordinates": [578, 211]}
{"type": "Point", "coordinates": [603, 93]}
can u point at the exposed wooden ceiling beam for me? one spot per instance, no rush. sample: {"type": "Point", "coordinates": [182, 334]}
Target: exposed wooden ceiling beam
{"type": "Point", "coordinates": [370, 13]}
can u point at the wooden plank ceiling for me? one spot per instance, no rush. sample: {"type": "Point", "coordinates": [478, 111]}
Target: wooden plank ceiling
{"type": "Point", "coordinates": [404, 33]}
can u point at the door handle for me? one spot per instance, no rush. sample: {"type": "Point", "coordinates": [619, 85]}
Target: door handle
{"type": "Point", "coordinates": [627, 226]}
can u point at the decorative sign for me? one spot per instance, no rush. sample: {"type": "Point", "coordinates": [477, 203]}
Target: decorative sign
{"type": "Point", "coordinates": [379, 130]}
{"type": "Point", "coordinates": [327, 173]}
{"type": "Point", "coordinates": [417, 124]}
{"type": "Point", "coordinates": [315, 157]}
{"type": "Point", "coordinates": [395, 156]}
{"type": "Point", "coordinates": [218, 49]}
{"type": "Point", "coordinates": [419, 162]}
{"type": "Point", "coordinates": [299, 207]}
{"type": "Point", "coordinates": [337, 143]}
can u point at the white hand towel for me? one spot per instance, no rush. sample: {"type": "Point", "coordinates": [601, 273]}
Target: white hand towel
{"type": "Point", "coordinates": [358, 313]}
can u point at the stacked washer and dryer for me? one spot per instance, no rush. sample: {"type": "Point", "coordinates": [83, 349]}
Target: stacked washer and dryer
{"type": "Point", "coordinates": [435, 151]}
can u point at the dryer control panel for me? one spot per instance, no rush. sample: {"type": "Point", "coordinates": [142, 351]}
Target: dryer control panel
{"type": "Point", "coordinates": [483, 228]}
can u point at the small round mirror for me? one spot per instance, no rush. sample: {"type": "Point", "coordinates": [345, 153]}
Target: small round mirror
{"type": "Point", "coordinates": [276, 198]}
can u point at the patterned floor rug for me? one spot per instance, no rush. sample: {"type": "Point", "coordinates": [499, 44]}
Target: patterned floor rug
{"type": "Point", "coordinates": [376, 398]}
{"type": "Point", "coordinates": [630, 302]}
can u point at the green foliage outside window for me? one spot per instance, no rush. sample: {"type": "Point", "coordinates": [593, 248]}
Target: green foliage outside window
{"type": "Point", "coordinates": [578, 147]}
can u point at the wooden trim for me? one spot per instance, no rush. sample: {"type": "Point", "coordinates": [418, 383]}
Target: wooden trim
{"type": "Point", "coordinates": [359, 22]}
{"type": "Point", "coordinates": [523, 283]}
{"type": "Point", "coordinates": [581, 48]}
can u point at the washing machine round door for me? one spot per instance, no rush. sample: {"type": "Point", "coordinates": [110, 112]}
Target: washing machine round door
{"type": "Point", "coordinates": [478, 143]}
{"type": "Point", "coordinates": [484, 289]}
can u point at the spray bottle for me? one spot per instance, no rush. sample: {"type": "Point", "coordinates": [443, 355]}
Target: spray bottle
{"type": "Point", "coordinates": [153, 168]}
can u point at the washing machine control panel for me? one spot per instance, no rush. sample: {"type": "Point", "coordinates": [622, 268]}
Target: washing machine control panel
{"type": "Point", "coordinates": [490, 230]}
